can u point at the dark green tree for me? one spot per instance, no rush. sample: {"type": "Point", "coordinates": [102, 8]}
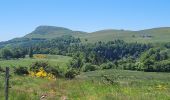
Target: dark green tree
{"type": "Point", "coordinates": [30, 52]}
{"type": "Point", "coordinates": [6, 53]}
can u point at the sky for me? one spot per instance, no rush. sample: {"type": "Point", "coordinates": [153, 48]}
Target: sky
{"type": "Point", "coordinates": [20, 17]}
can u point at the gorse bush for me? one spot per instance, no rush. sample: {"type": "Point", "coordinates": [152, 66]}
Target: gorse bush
{"type": "Point", "coordinates": [39, 56]}
{"type": "Point", "coordinates": [36, 66]}
{"type": "Point", "coordinates": [43, 74]}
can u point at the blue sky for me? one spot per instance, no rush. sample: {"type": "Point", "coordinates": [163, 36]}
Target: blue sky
{"type": "Point", "coordinates": [20, 17]}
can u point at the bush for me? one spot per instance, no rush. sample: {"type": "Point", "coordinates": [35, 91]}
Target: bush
{"type": "Point", "coordinates": [35, 67]}
{"type": "Point", "coordinates": [89, 67]}
{"type": "Point", "coordinates": [1, 69]}
{"type": "Point", "coordinates": [108, 65]}
{"type": "Point", "coordinates": [162, 66]}
{"type": "Point", "coordinates": [54, 71]}
{"type": "Point", "coordinates": [70, 74]}
{"type": "Point", "coordinates": [39, 56]}
{"type": "Point", "coordinates": [130, 66]}
{"type": "Point", "coordinates": [21, 71]}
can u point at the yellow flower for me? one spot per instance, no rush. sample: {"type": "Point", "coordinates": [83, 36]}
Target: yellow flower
{"type": "Point", "coordinates": [43, 74]}
{"type": "Point", "coordinates": [32, 74]}
{"type": "Point", "coordinates": [161, 87]}
{"type": "Point", "coordinates": [40, 56]}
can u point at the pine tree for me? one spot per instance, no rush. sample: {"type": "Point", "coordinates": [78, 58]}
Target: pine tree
{"type": "Point", "coordinates": [30, 52]}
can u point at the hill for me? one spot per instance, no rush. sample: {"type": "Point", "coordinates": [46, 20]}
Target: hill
{"type": "Point", "coordinates": [41, 33]}
{"type": "Point", "coordinates": [48, 32]}
{"type": "Point", "coordinates": [155, 35]}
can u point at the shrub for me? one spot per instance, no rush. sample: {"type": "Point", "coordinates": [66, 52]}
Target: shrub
{"type": "Point", "coordinates": [70, 74]}
{"type": "Point", "coordinates": [36, 66]}
{"type": "Point", "coordinates": [21, 71]}
{"type": "Point", "coordinates": [43, 74]}
{"type": "Point", "coordinates": [56, 72]}
{"type": "Point", "coordinates": [89, 67]}
{"type": "Point", "coordinates": [39, 56]}
{"type": "Point", "coordinates": [108, 65]}
{"type": "Point", "coordinates": [1, 69]}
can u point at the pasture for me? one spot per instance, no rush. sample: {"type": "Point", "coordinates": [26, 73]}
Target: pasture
{"type": "Point", "coordinates": [95, 85]}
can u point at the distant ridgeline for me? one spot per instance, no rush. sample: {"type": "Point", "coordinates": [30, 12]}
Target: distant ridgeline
{"type": "Point", "coordinates": [146, 50]}
{"type": "Point", "coordinates": [21, 42]}
{"type": "Point", "coordinates": [42, 33]}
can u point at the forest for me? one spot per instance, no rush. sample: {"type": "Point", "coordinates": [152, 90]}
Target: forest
{"type": "Point", "coordinates": [116, 54]}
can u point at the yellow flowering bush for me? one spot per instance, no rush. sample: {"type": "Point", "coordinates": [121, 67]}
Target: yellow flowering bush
{"type": "Point", "coordinates": [42, 74]}
{"type": "Point", "coordinates": [39, 56]}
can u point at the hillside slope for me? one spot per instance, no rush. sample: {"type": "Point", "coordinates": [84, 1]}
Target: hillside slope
{"type": "Point", "coordinates": [41, 33]}
{"type": "Point", "coordinates": [155, 35]}
{"type": "Point", "coordinates": [49, 32]}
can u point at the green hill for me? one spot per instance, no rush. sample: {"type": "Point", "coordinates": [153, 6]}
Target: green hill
{"type": "Point", "coordinates": [49, 32]}
{"type": "Point", "coordinates": [144, 36]}
{"type": "Point", "coordinates": [41, 33]}
{"type": "Point", "coordinates": [107, 35]}
{"type": "Point", "coordinates": [147, 36]}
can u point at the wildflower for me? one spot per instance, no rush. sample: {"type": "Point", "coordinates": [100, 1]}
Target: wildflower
{"type": "Point", "coordinates": [51, 77]}
{"type": "Point", "coordinates": [40, 56]}
{"type": "Point", "coordinates": [43, 74]}
{"type": "Point", "coordinates": [32, 74]}
{"type": "Point", "coordinates": [161, 87]}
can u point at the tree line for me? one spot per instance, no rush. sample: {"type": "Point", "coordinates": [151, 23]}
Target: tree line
{"type": "Point", "coordinates": [100, 55]}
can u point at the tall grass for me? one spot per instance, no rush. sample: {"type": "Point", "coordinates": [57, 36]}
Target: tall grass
{"type": "Point", "coordinates": [90, 86]}
{"type": "Point", "coordinates": [118, 84]}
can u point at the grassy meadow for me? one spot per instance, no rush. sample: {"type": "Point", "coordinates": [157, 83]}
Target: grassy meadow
{"type": "Point", "coordinates": [158, 35]}
{"type": "Point", "coordinates": [53, 60]}
{"type": "Point", "coordinates": [95, 85]}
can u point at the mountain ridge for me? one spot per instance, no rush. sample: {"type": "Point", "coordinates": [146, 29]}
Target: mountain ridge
{"type": "Point", "coordinates": [45, 32]}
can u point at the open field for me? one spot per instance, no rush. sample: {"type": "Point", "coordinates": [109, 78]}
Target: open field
{"type": "Point", "coordinates": [129, 85]}
{"type": "Point", "coordinates": [53, 60]}
{"type": "Point", "coordinates": [156, 35]}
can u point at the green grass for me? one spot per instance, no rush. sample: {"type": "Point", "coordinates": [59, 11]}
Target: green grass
{"type": "Point", "coordinates": [127, 85]}
{"type": "Point", "coordinates": [159, 35]}
{"type": "Point", "coordinates": [129, 74]}
{"type": "Point", "coordinates": [130, 85]}
{"type": "Point", "coordinates": [54, 60]}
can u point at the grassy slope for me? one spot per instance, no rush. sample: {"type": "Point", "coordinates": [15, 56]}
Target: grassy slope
{"type": "Point", "coordinates": [126, 73]}
{"type": "Point", "coordinates": [158, 35]}
{"type": "Point", "coordinates": [50, 32]}
{"type": "Point", "coordinates": [107, 35]}
{"type": "Point", "coordinates": [131, 85]}
{"type": "Point", "coordinates": [54, 60]}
